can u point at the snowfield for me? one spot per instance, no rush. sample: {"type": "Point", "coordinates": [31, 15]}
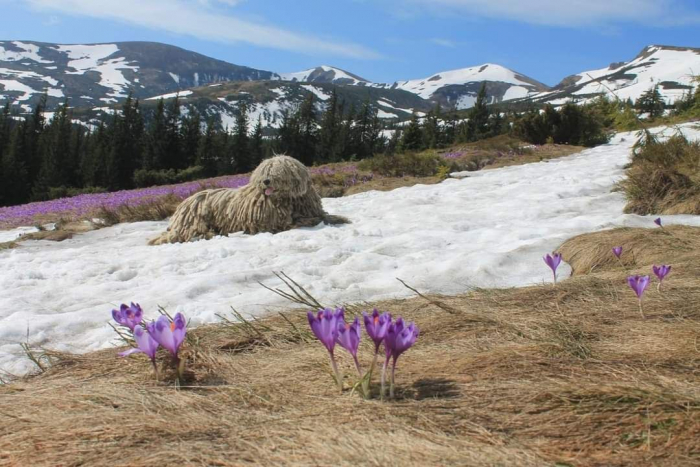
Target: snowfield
{"type": "Point", "coordinates": [487, 229]}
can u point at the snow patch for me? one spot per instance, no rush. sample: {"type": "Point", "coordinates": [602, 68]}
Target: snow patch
{"type": "Point", "coordinates": [64, 291]}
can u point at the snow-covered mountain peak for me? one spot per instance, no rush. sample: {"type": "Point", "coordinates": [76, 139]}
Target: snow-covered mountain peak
{"type": "Point", "coordinates": [670, 68]}
{"type": "Point", "coordinates": [324, 74]}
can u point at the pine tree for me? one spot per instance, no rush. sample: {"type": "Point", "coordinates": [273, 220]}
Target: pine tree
{"type": "Point", "coordinates": [479, 116]}
{"type": "Point", "coordinates": [191, 133]}
{"type": "Point", "coordinates": [308, 131]}
{"type": "Point", "coordinates": [432, 133]}
{"type": "Point", "coordinates": [14, 186]}
{"type": "Point", "coordinates": [174, 155]}
{"type": "Point", "coordinates": [208, 152]}
{"type": "Point", "coordinates": [156, 146]}
{"type": "Point", "coordinates": [55, 150]}
{"type": "Point", "coordinates": [329, 133]}
{"type": "Point", "coordinates": [651, 102]}
{"type": "Point", "coordinates": [124, 157]}
{"type": "Point", "coordinates": [240, 146]}
{"type": "Point", "coordinates": [412, 139]}
{"type": "Point", "coordinates": [257, 148]}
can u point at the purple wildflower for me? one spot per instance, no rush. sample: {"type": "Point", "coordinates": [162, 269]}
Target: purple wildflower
{"type": "Point", "coordinates": [661, 272]}
{"type": "Point", "coordinates": [325, 327]}
{"type": "Point", "coordinates": [129, 316]}
{"type": "Point", "coordinates": [399, 338]}
{"type": "Point", "coordinates": [617, 251]}
{"type": "Point", "coordinates": [144, 344]}
{"type": "Point", "coordinates": [639, 284]}
{"type": "Point", "coordinates": [553, 262]}
{"type": "Point", "coordinates": [376, 326]}
{"type": "Point", "coordinates": [657, 221]}
{"type": "Point", "coordinates": [169, 334]}
{"type": "Point", "coordinates": [349, 339]}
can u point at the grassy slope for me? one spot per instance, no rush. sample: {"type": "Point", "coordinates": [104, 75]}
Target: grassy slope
{"type": "Point", "coordinates": [565, 375]}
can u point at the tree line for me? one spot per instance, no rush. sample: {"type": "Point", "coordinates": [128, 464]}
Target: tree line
{"type": "Point", "coordinates": [42, 159]}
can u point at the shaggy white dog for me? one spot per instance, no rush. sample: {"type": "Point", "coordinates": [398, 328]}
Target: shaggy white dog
{"type": "Point", "coordinates": [279, 196]}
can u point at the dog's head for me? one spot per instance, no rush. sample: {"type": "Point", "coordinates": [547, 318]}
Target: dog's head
{"type": "Point", "coordinates": [281, 177]}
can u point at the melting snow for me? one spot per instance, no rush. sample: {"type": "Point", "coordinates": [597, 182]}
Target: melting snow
{"type": "Point", "coordinates": [29, 52]}
{"type": "Point", "coordinates": [487, 230]}
{"type": "Point", "coordinates": [172, 95]}
{"type": "Point", "coordinates": [318, 92]}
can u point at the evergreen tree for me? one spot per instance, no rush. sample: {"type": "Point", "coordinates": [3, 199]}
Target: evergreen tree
{"type": "Point", "coordinates": [288, 134]}
{"type": "Point", "coordinates": [257, 148]}
{"type": "Point", "coordinates": [191, 133]}
{"type": "Point", "coordinates": [412, 139]}
{"type": "Point", "coordinates": [55, 151]}
{"type": "Point", "coordinates": [329, 134]}
{"type": "Point", "coordinates": [308, 132]}
{"type": "Point", "coordinates": [14, 186]}
{"type": "Point", "coordinates": [157, 140]}
{"type": "Point", "coordinates": [240, 146]}
{"type": "Point", "coordinates": [173, 153]}
{"type": "Point", "coordinates": [651, 102]}
{"type": "Point", "coordinates": [479, 116]}
{"type": "Point", "coordinates": [208, 153]}
{"type": "Point", "coordinates": [432, 133]}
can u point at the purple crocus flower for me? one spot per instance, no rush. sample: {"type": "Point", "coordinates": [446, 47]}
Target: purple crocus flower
{"type": "Point", "coordinates": [169, 334]}
{"type": "Point", "coordinates": [657, 221]}
{"type": "Point", "coordinates": [144, 344]}
{"type": "Point", "coordinates": [553, 262]}
{"type": "Point", "coordinates": [129, 316]}
{"type": "Point", "coordinates": [324, 325]}
{"type": "Point", "coordinates": [399, 338]}
{"type": "Point", "coordinates": [617, 251]}
{"type": "Point", "coordinates": [661, 272]}
{"type": "Point", "coordinates": [639, 284]}
{"type": "Point", "coordinates": [349, 339]}
{"type": "Point", "coordinates": [376, 326]}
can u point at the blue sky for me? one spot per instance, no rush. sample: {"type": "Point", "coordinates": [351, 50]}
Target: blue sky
{"type": "Point", "coordinates": [380, 40]}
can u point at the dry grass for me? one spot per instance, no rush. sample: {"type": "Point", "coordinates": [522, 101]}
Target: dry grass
{"type": "Point", "coordinates": [565, 375]}
{"type": "Point", "coordinates": [664, 178]}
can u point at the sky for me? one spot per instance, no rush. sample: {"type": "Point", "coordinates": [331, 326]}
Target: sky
{"type": "Point", "coordinates": [379, 40]}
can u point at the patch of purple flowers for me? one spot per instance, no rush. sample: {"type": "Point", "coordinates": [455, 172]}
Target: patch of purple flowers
{"type": "Point", "coordinates": [80, 206]}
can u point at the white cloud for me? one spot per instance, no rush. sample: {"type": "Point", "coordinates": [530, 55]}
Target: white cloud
{"type": "Point", "coordinates": [193, 18]}
{"type": "Point", "coordinates": [572, 13]}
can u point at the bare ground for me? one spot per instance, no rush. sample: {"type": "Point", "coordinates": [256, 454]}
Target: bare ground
{"type": "Point", "coordinates": [543, 375]}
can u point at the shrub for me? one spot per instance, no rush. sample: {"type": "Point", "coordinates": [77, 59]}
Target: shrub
{"type": "Point", "coordinates": [145, 178]}
{"type": "Point", "coordinates": [68, 192]}
{"type": "Point", "coordinates": [416, 164]}
{"type": "Point", "coordinates": [664, 177]}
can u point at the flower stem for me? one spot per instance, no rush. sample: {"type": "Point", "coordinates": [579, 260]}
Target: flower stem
{"type": "Point", "coordinates": [338, 376]}
{"type": "Point", "coordinates": [386, 363]}
{"type": "Point", "coordinates": [555, 277]}
{"type": "Point", "coordinates": [641, 310]}
{"type": "Point", "coordinates": [391, 387]}
{"type": "Point", "coordinates": [155, 369]}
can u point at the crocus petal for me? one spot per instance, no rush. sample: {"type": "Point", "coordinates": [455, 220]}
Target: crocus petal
{"type": "Point", "coordinates": [349, 336]}
{"type": "Point", "coordinates": [145, 342]}
{"type": "Point", "coordinates": [617, 251]}
{"type": "Point", "coordinates": [164, 335]}
{"type": "Point", "coordinates": [129, 352]}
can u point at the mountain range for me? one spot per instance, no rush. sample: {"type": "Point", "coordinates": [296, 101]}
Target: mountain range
{"type": "Point", "coordinates": [95, 77]}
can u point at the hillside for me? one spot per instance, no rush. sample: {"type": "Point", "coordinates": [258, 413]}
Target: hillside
{"type": "Point", "coordinates": [93, 75]}
{"type": "Point", "coordinates": [671, 68]}
{"type": "Point", "coordinates": [268, 100]}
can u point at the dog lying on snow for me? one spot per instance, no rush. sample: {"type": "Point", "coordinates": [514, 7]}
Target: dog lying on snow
{"type": "Point", "coordinates": [279, 196]}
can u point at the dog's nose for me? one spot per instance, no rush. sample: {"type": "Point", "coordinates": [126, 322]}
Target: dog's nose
{"type": "Point", "coordinates": [266, 181]}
